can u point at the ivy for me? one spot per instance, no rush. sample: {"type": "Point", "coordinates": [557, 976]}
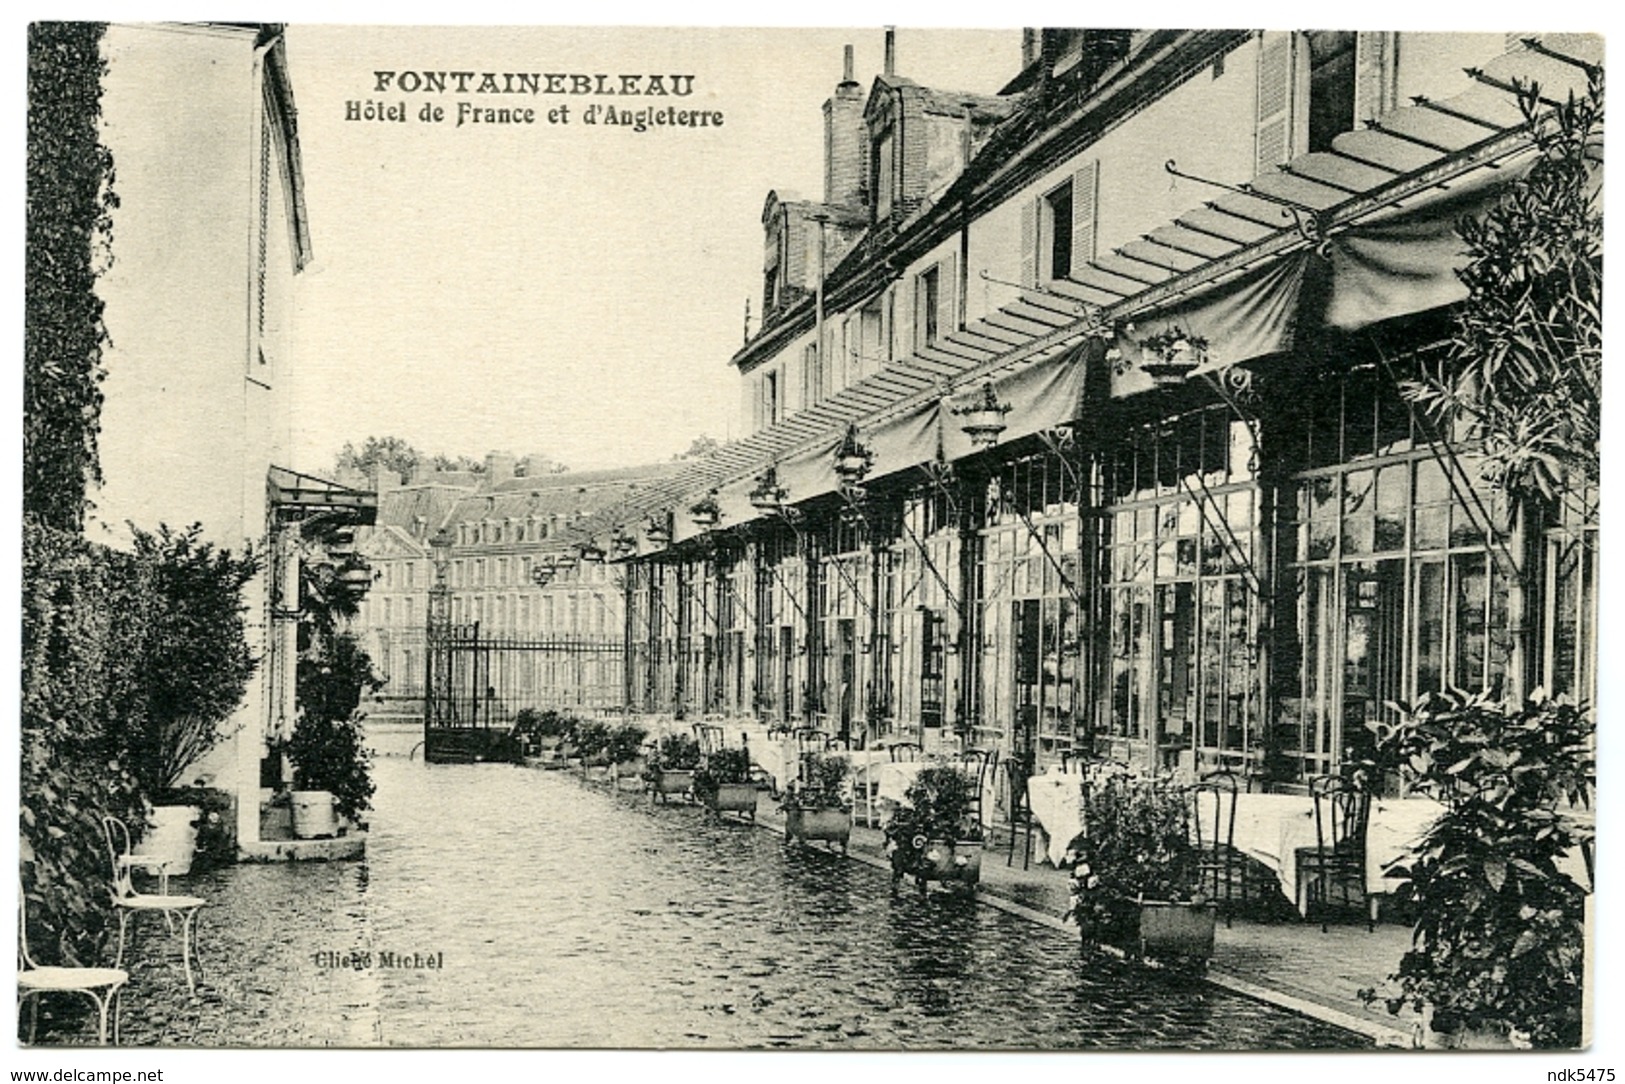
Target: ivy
{"type": "Point", "coordinates": [69, 229]}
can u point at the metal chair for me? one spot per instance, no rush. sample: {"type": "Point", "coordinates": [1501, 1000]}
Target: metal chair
{"type": "Point", "coordinates": [104, 986]}
{"type": "Point", "coordinates": [128, 902]}
{"type": "Point", "coordinates": [905, 752]}
{"type": "Point", "coordinates": [1213, 819]}
{"type": "Point", "coordinates": [1337, 860]}
{"type": "Point", "coordinates": [711, 737]}
{"type": "Point", "coordinates": [1019, 810]}
{"type": "Point", "coordinates": [979, 764]}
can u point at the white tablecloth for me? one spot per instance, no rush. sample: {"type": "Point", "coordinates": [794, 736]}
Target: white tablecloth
{"type": "Point", "coordinates": [893, 779]}
{"type": "Point", "coordinates": [1057, 801]}
{"type": "Point", "coordinates": [1272, 828]}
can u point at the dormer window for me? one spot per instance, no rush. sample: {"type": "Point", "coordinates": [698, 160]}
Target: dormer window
{"type": "Point", "coordinates": [885, 180]}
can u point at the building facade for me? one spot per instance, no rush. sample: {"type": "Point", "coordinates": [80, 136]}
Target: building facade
{"type": "Point", "coordinates": [208, 238]}
{"type": "Point", "coordinates": [538, 623]}
{"type": "Point", "coordinates": [1077, 420]}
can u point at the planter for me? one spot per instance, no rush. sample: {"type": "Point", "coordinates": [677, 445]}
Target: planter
{"type": "Point", "coordinates": [1182, 930]}
{"type": "Point", "coordinates": [954, 864]}
{"type": "Point", "coordinates": [734, 798]}
{"type": "Point", "coordinates": [672, 781]}
{"type": "Point", "coordinates": [313, 816]}
{"type": "Point", "coordinates": [628, 775]}
{"type": "Point", "coordinates": [826, 825]}
{"type": "Point", "coordinates": [172, 840]}
{"type": "Point", "coordinates": [1425, 1038]}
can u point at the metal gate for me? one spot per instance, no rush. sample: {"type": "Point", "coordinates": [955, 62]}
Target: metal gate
{"type": "Point", "coordinates": [475, 686]}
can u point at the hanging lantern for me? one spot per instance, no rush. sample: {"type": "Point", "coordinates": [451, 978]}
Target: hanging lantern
{"type": "Point", "coordinates": [852, 459]}
{"type": "Point", "coordinates": [542, 572]}
{"type": "Point", "coordinates": [590, 552]}
{"type": "Point", "coordinates": [658, 529]}
{"type": "Point", "coordinates": [623, 544]}
{"type": "Point", "coordinates": [983, 418]}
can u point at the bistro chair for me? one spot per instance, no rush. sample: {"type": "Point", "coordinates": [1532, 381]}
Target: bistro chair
{"type": "Point", "coordinates": [1337, 860]}
{"type": "Point", "coordinates": [979, 764]}
{"type": "Point", "coordinates": [104, 986]}
{"type": "Point", "coordinates": [905, 752]}
{"type": "Point", "coordinates": [127, 902]}
{"type": "Point", "coordinates": [711, 737]}
{"type": "Point", "coordinates": [1019, 810]}
{"type": "Point", "coordinates": [1213, 820]}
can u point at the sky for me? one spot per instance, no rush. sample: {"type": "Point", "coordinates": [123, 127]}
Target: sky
{"type": "Point", "coordinates": [562, 288]}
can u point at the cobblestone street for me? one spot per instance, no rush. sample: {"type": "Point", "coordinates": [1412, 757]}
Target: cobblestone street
{"type": "Point", "coordinates": [594, 920]}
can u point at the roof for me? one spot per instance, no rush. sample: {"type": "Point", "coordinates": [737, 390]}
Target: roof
{"type": "Point", "coordinates": [1413, 153]}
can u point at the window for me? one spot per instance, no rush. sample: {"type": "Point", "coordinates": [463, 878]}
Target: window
{"type": "Point", "coordinates": [770, 399]}
{"type": "Point", "coordinates": [885, 177]}
{"type": "Point", "coordinates": [1331, 86]}
{"type": "Point", "coordinates": [1059, 205]}
{"type": "Point", "coordinates": [812, 375]}
{"type": "Point", "coordinates": [927, 301]}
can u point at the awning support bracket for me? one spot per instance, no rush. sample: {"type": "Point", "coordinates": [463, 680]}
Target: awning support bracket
{"type": "Point", "coordinates": [1309, 221]}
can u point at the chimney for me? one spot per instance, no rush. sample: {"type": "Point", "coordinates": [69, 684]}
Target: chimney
{"type": "Point", "coordinates": [891, 51]}
{"type": "Point", "coordinates": [388, 481]}
{"type": "Point", "coordinates": [499, 467]}
{"type": "Point", "coordinates": [846, 143]}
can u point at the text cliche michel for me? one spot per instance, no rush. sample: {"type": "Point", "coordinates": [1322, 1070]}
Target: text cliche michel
{"type": "Point", "coordinates": [422, 103]}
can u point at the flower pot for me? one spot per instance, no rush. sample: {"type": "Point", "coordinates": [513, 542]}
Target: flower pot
{"type": "Point", "coordinates": [826, 825]}
{"type": "Point", "coordinates": [1426, 1038]}
{"type": "Point", "coordinates": [672, 781]}
{"type": "Point", "coordinates": [313, 816]}
{"type": "Point", "coordinates": [1177, 929]}
{"type": "Point", "coordinates": [172, 840]}
{"type": "Point", "coordinates": [735, 798]}
{"type": "Point", "coordinates": [954, 864]}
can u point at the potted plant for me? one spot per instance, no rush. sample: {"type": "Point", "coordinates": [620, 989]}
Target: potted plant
{"type": "Point", "coordinates": [624, 751]}
{"type": "Point", "coordinates": [332, 775]}
{"type": "Point", "coordinates": [935, 834]}
{"type": "Point", "coordinates": [1498, 952]}
{"type": "Point", "coordinates": [818, 806]}
{"type": "Point", "coordinates": [590, 738]}
{"type": "Point", "coordinates": [1135, 874]}
{"type": "Point", "coordinates": [670, 769]}
{"type": "Point", "coordinates": [199, 662]}
{"type": "Point", "coordinates": [541, 732]}
{"type": "Point", "coordinates": [723, 782]}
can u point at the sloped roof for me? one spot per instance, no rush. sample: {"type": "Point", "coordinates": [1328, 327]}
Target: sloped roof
{"type": "Point", "coordinates": [1412, 153]}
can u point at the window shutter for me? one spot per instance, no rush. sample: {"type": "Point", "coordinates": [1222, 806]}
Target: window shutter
{"type": "Point", "coordinates": [888, 309]}
{"type": "Point", "coordinates": [1085, 218]}
{"type": "Point", "coordinates": [903, 319]}
{"type": "Point", "coordinates": [1277, 63]}
{"type": "Point", "coordinates": [1029, 243]}
{"type": "Point", "coordinates": [1375, 75]}
{"type": "Point", "coordinates": [947, 294]}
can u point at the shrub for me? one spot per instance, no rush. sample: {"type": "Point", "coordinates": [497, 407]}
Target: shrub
{"type": "Point", "coordinates": [674, 752]}
{"type": "Point", "coordinates": [1499, 938]}
{"type": "Point", "coordinates": [939, 804]}
{"type": "Point", "coordinates": [327, 747]}
{"type": "Point", "coordinates": [625, 742]}
{"type": "Point", "coordinates": [824, 784]}
{"type": "Point", "coordinates": [1138, 847]}
{"type": "Point", "coordinates": [722, 766]}
{"type": "Point", "coordinates": [591, 740]}
{"type": "Point", "coordinates": [196, 659]}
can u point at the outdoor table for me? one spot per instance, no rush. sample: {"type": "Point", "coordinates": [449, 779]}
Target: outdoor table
{"type": "Point", "coordinates": [1057, 805]}
{"type": "Point", "coordinates": [864, 763]}
{"type": "Point", "coordinates": [776, 756]}
{"type": "Point", "coordinates": [1270, 828]}
{"type": "Point", "coordinates": [1395, 825]}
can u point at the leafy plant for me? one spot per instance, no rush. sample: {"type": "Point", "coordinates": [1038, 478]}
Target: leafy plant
{"type": "Point", "coordinates": [541, 724]}
{"type": "Point", "coordinates": [591, 740]}
{"type": "Point", "coordinates": [1499, 939]}
{"type": "Point", "coordinates": [196, 655]}
{"type": "Point", "coordinates": [69, 235]}
{"type": "Point", "coordinates": [216, 835]}
{"type": "Point", "coordinates": [823, 784]}
{"type": "Point", "coordinates": [327, 747]}
{"type": "Point", "coordinates": [1523, 371]}
{"type": "Point", "coordinates": [938, 804]}
{"type": "Point", "coordinates": [1138, 847]}
{"type": "Point", "coordinates": [625, 742]}
{"type": "Point", "coordinates": [330, 754]}
{"type": "Point", "coordinates": [675, 752]}
{"type": "Point", "coordinates": [720, 767]}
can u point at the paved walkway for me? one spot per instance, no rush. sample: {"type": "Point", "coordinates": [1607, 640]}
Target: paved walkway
{"type": "Point", "coordinates": [1284, 960]}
